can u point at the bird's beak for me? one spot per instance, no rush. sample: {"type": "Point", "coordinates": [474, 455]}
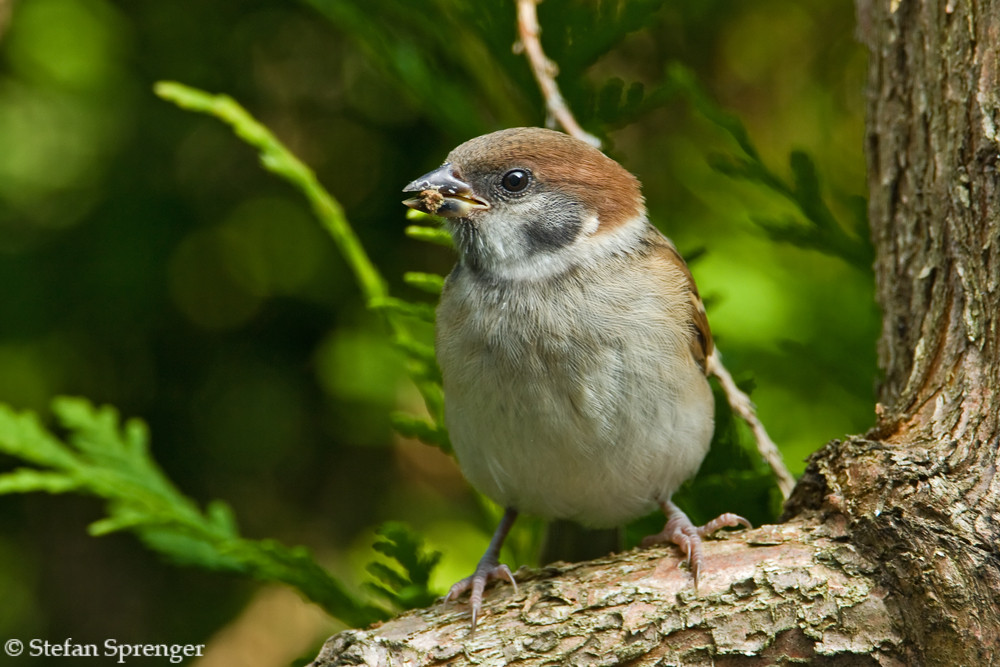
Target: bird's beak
{"type": "Point", "coordinates": [441, 193]}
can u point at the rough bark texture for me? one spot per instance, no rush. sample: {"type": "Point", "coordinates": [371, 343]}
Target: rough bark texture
{"type": "Point", "coordinates": [921, 493]}
{"type": "Point", "coordinates": [889, 553]}
{"type": "Point", "coordinates": [789, 593]}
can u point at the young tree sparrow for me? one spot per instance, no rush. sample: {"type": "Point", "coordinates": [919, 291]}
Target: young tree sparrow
{"type": "Point", "coordinates": [571, 339]}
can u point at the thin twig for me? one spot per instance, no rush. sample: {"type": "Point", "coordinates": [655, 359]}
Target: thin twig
{"type": "Point", "coordinates": [744, 408]}
{"type": "Point", "coordinates": [545, 71]}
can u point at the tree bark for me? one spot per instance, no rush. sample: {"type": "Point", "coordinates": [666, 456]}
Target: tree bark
{"type": "Point", "coordinates": [888, 554]}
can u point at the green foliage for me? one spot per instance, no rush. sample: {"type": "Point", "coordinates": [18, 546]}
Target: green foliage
{"type": "Point", "coordinates": [820, 231]}
{"type": "Point", "coordinates": [447, 57]}
{"type": "Point", "coordinates": [393, 307]}
{"type": "Point", "coordinates": [452, 58]}
{"type": "Point", "coordinates": [425, 430]}
{"type": "Point", "coordinates": [431, 283]}
{"type": "Point", "coordinates": [105, 458]}
{"type": "Point", "coordinates": [577, 34]}
{"type": "Point", "coordinates": [431, 235]}
{"type": "Point", "coordinates": [618, 106]}
{"type": "Point", "coordinates": [275, 157]}
{"type": "Point", "coordinates": [405, 586]}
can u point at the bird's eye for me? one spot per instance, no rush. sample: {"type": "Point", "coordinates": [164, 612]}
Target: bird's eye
{"type": "Point", "coordinates": [515, 180]}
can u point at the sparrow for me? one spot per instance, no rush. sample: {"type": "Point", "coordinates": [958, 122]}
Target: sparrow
{"type": "Point", "coordinates": [572, 342]}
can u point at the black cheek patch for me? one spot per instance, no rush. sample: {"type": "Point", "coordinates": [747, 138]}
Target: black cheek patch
{"type": "Point", "coordinates": [554, 230]}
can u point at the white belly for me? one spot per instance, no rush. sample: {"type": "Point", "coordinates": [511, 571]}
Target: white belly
{"type": "Point", "coordinates": [590, 414]}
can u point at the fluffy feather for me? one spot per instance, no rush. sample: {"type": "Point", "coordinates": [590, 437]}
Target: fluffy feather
{"type": "Point", "coordinates": [577, 397]}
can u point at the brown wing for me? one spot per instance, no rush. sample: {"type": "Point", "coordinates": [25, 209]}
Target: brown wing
{"type": "Point", "coordinates": [701, 335]}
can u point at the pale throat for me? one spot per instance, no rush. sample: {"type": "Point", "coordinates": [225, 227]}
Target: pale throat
{"type": "Point", "coordinates": [502, 256]}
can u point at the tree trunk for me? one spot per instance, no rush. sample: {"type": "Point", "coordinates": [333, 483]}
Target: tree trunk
{"type": "Point", "coordinates": [889, 554]}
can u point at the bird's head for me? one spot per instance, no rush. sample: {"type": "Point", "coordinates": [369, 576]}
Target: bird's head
{"type": "Point", "coordinates": [526, 203]}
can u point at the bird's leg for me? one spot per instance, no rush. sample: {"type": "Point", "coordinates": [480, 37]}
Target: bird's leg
{"type": "Point", "coordinates": [680, 531]}
{"type": "Point", "coordinates": [489, 567]}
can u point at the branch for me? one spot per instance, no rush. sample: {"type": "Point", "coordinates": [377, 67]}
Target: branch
{"type": "Point", "coordinates": [744, 408]}
{"type": "Point", "coordinates": [789, 590]}
{"type": "Point", "coordinates": [545, 71]}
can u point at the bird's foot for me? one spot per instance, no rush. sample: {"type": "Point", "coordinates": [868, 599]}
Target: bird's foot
{"type": "Point", "coordinates": [489, 567]}
{"type": "Point", "coordinates": [680, 531]}
{"type": "Point", "coordinates": [486, 571]}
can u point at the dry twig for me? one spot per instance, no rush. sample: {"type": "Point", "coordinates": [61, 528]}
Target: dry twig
{"type": "Point", "coordinates": [545, 71]}
{"type": "Point", "coordinates": [744, 408]}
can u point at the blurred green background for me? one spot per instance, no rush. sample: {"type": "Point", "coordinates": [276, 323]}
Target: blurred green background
{"type": "Point", "coordinates": [147, 261]}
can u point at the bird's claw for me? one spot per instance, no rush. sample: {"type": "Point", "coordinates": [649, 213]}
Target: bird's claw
{"type": "Point", "coordinates": [680, 531]}
{"type": "Point", "coordinates": [476, 584]}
